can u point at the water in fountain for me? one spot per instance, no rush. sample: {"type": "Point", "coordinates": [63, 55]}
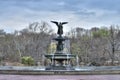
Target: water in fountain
{"type": "Point", "coordinates": [77, 61]}
{"type": "Point", "coordinates": [67, 46]}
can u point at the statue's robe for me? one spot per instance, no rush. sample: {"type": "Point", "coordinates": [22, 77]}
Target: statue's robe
{"type": "Point", "coordinates": [60, 30]}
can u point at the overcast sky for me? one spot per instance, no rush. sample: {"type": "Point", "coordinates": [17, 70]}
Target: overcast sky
{"type": "Point", "coordinates": [17, 14]}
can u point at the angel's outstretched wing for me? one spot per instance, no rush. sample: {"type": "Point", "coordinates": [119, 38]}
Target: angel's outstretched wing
{"type": "Point", "coordinates": [64, 22]}
{"type": "Point", "coordinates": [55, 22]}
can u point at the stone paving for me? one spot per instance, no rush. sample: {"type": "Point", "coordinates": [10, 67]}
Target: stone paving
{"type": "Point", "coordinates": [59, 77]}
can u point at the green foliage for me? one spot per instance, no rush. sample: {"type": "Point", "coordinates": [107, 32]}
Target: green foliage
{"type": "Point", "coordinates": [75, 49]}
{"type": "Point", "coordinates": [28, 60]}
{"type": "Point", "coordinates": [101, 33]}
{"type": "Point", "coordinates": [85, 37]}
{"type": "Point", "coordinates": [51, 48]}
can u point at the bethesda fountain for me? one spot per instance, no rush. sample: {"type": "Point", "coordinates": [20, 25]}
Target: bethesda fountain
{"type": "Point", "coordinates": [60, 60]}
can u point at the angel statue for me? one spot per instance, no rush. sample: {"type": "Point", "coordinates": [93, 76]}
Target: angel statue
{"type": "Point", "coordinates": [60, 26]}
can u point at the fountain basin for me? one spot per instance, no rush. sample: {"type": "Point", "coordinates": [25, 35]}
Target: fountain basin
{"type": "Point", "coordinates": [41, 70]}
{"type": "Point", "coordinates": [60, 61]}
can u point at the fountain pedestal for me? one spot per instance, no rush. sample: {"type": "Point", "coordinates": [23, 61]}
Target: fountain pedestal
{"type": "Point", "coordinates": [60, 60]}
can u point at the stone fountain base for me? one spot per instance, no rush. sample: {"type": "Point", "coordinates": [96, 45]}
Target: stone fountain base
{"type": "Point", "coordinates": [63, 61]}
{"type": "Point", "coordinates": [41, 70]}
{"type": "Point", "coordinates": [59, 68]}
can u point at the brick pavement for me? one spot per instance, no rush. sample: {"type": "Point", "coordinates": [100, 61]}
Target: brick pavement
{"type": "Point", "coordinates": [59, 77]}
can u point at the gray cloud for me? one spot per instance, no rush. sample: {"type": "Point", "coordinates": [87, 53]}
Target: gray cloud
{"type": "Point", "coordinates": [17, 14]}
